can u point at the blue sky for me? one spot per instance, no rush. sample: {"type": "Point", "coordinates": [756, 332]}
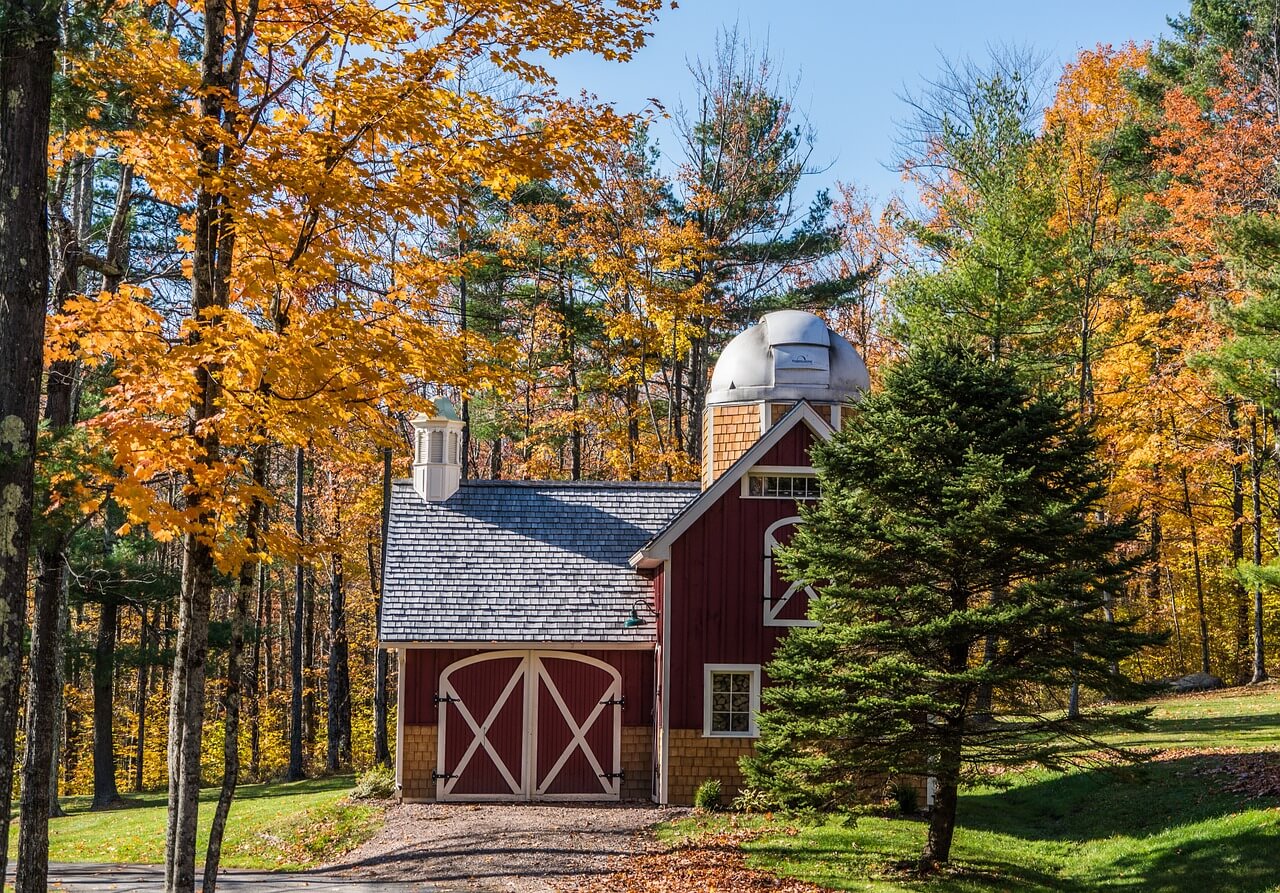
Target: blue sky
{"type": "Point", "coordinates": [856, 58]}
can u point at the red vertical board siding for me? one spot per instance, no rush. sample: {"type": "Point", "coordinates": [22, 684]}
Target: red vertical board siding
{"type": "Point", "coordinates": [792, 450]}
{"type": "Point", "coordinates": [717, 587]}
{"type": "Point", "coordinates": [423, 667]}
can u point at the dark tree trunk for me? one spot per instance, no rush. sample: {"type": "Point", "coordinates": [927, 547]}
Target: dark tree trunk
{"type": "Point", "coordinates": [104, 668]}
{"type": "Point", "coordinates": [231, 696]}
{"type": "Point", "coordinates": [28, 38]}
{"type": "Point", "coordinates": [942, 820]}
{"type": "Point", "coordinates": [254, 682]}
{"type": "Point", "coordinates": [1259, 673]}
{"type": "Point", "coordinates": [1197, 573]}
{"type": "Point", "coordinates": [296, 771]}
{"type": "Point", "coordinates": [1243, 654]}
{"type": "Point", "coordinates": [44, 692]}
{"type": "Point", "coordinates": [381, 750]}
{"type": "Point", "coordinates": [144, 683]}
{"type": "Point", "coordinates": [338, 755]}
{"type": "Point", "coordinates": [309, 713]}
{"type": "Point", "coordinates": [59, 707]}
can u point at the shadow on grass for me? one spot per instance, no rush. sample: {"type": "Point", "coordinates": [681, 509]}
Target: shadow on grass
{"type": "Point", "coordinates": [1129, 801]}
{"type": "Point", "coordinates": [268, 790]}
{"type": "Point", "coordinates": [1165, 827]}
{"type": "Point", "coordinates": [1211, 730]}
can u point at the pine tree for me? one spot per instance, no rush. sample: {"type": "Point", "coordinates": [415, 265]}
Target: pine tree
{"type": "Point", "coordinates": [957, 505]}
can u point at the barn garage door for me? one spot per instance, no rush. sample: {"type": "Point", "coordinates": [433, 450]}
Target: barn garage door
{"type": "Point", "coordinates": [529, 725]}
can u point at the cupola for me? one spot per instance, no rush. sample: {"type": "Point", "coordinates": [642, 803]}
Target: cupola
{"type": "Point", "coordinates": [437, 452]}
{"type": "Point", "coordinates": [788, 356]}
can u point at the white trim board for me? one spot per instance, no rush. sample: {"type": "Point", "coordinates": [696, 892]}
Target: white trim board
{"type": "Point", "coordinates": [508, 645]}
{"type": "Point", "coordinates": [658, 549]}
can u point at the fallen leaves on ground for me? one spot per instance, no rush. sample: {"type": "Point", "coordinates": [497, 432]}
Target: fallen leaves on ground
{"type": "Point", "coordinates": [1250, 773]}
{"type": "Point", "coordinates": [711, 864]}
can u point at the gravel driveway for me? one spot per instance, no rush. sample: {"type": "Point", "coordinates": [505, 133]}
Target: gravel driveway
{"type": "Point", "coordinates": [514, 848]}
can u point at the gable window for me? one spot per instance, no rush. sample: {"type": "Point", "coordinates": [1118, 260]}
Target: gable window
{"type": "Point", "coordinates": [731, 700]}
{"type": "Point", "coordinates": [782, 486]}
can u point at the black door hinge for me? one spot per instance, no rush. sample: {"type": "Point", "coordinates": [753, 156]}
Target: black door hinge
{"type": "Point", "coordinates": [447, 699]}
{"type": "Point", "coordinates": [436, 776]}
{"type": "Point", "coordinates": [618, 775]}
{"type": "Point", "coordinates": [621, 702]}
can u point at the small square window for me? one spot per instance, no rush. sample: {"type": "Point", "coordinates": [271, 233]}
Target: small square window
{"type": "Point", "coordinates": [733, 699]}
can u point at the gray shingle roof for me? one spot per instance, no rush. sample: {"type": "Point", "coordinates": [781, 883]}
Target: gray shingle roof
{"type": "Point", "coordinates": [516, 561]}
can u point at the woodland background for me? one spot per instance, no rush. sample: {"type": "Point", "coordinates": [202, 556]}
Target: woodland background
{"type": "Point", "coordinates": [415, 212]}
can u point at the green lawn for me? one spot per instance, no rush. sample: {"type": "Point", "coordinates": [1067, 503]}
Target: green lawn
{"type": "Point", "coordinates": [273, 826]}
{"type": "Point", "coordinates": [1160, 826]}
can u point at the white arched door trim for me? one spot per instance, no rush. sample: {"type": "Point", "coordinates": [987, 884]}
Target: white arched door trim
{"type": "Point", "coordinates": [773, 605]}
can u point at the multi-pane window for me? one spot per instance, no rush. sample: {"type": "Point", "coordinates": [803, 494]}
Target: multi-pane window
{"type": "Point", "coordinates": [733, 698]}
{"type": "Point", "coordinates": [783, 486]}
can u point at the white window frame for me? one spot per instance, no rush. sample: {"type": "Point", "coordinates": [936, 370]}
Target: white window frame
{"type": "Point", "coordinates": [789, 471]}
{"type": "Point", "coordinates": [708, 670]}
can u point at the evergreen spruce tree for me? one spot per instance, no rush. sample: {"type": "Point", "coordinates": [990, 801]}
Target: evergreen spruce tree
{"type": "Point", "coordinates": [956, 505]}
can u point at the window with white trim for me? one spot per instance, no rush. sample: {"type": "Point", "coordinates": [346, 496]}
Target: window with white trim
{"type": "Point", "coordinates": [783, 486]}
{"type": "Point", "coordinates": [731, 700]}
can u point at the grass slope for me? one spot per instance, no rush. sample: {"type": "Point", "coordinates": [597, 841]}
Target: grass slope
{"type": "Point", "coordinates": [272, 826]}
{"type": "Point", "coordinates": [1163, 826]}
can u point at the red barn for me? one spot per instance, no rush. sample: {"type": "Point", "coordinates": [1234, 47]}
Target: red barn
{"type": "Point", "coordinates": [605, 641]}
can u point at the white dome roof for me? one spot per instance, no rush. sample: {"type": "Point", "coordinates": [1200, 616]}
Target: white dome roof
{"type": "Point", "coordinates": [788, 355]}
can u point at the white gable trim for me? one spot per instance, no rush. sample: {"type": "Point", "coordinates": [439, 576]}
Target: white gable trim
{"type": "Point", "coordinates": [659, 548]}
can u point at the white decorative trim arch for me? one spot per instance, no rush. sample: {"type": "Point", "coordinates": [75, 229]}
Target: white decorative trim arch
{"type": "Point", "coordinates": [773, 607]}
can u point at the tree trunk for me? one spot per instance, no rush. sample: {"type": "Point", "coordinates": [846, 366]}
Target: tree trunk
{"type": "Point", "coordinates": [339, 675]}
{"type": "Point", "coordinates": [296, 771]}
{"type": "Point", "coordinates": [1197, 573]}
{"type": "Point", "coordinates": [1259, 673]}
{"type": "Point", "coordinates": [213, 240]}
{"type": "Point", "coordinates": [231, 698]}
{"type": "Point", "coordinates": [309, 713]}
{"type": "Point", "coordinates": [59, 706]}
{"type": "Point", "coordinates": [942, 820]}
{"type": "Point", "coordinates": [254, 682]}
{"type": "Point", "coordinates": [28, 38]}
{"type": "Point", "coordinates": [44, 690]}
{"type": "Point", "coordinates": [1241, 596]}
{"type": "Point", "coordinates": [144, 682]}
{"type": "Point", "coordinates": [381, 751]}
{"type": "Point", "coordinates": [105, 793]}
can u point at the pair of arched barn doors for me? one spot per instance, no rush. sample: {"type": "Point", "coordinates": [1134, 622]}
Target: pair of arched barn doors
{"type": "Point", "coordinates": [529, 725]}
